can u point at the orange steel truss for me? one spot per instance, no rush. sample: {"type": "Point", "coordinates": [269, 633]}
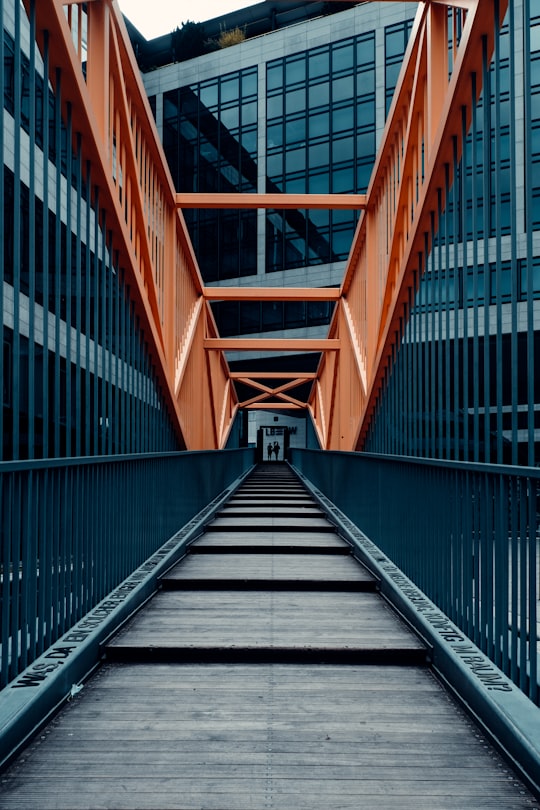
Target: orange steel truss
{"type": "Point", "coordinates": [90, 46]}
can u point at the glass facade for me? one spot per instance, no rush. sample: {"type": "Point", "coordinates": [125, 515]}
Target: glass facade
{"type": "Point", "coordinates": [210, 139]}
{"type": "Point", "coordinates": [533, 110]}
{"type": "Point", "coordinates": [462, 383]}
{"type": "Point", "coordinates": [251, 317]}
{"type": "Point", "coordinates": [78, 376]}
{"type": "Point", "coordinates": [320, 138]}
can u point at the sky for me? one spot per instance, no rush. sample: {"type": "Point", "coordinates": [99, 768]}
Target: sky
{"type": "Point", "coordinates": [162, 16]}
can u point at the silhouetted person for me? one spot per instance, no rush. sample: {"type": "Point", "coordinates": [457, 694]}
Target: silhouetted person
{"type": "Point", "coordinates": [270, 450]}
{"type": "Point", "coordinates": [276, 450]}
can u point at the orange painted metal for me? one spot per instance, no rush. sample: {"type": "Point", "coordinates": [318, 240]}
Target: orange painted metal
{"type": "Point", "coordinates": [278, 201]}
{"type": "Point", "coordinates": [272, 344]}
{"type": "Point", "coordinates": [272, 293]}
{"type": "Point", "coordinates": [424, 122]}
{"type": "Point", "coordinates": [101, 83]}
{"type": "Point", "coordinates": [247, 376]}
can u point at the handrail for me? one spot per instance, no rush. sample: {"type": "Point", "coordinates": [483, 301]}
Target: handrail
{"type": "Point", "coordinates": [404, 197]}
{"type": "Point", "coordinates": [465, 533]}
{"type": "Point", "coordinates": [72, 529]}
{"type": "Point", "coordinates": [92, 66]}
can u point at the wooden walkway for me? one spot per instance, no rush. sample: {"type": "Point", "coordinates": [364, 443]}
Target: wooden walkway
{"type": "Point", "coordinates": [267, 673]}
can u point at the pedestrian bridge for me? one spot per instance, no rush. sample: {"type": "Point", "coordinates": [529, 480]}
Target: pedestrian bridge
{"type": "Point", "coordinates": [203, 629]}
{"type": "Point", "coordinates": [269, 653]}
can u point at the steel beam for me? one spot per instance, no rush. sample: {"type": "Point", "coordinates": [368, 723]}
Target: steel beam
{"type": "Point", "coordinates": [279, 201]}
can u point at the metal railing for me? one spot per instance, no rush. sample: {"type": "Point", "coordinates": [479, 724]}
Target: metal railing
{"type": "Point", "coordinates": [73, 529]}
{"type": "Point", "coordinates": [466, 534]}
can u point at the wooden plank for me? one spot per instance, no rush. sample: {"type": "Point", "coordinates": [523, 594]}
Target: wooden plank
{"type": "Point", "coordinates": [266, 620]}
{"type": "Point", "coordinates": [292, 567]}
{"type": "Point", "coordinates": [271, 510]}
{"type": "Point", "coordinates": [307, 540]}
{"type": "Point", "coordinates": [156, 736]}
{"type": "Point", "coordinates": [270, 524]}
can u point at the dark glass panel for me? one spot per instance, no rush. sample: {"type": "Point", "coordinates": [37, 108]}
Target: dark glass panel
{"type": "Point", "coordinates": [319, 63]}
{"type": "Point", "coordinates": [274, 106]}
{"type": "Point", "coordinates": [343, 57]}
{"type": "Point", "coordinates": [343, 119]}
{"type": "Point", "coordinates": [272, 315]}
{"type": "Point", "coordinates": [295, 101]}
{"type": "Point", "coordinates": [319, 125]}
{"type": "Point", "coordinates": [230, 89]}
{"type": "Point", "coordinates": [250, 317]}
{"type": "Point", "coordinates": [295, 70]}
{"type": "Point", "coordinates": [249, 83]}
{"type": "Point", "coordinates": [319, 94]}
{"type": "Point", "coordinates": [295, 314]}
{"type": "Point", "coordinates": [343, 89]}
{"type": "Point", "coordinates": [295, 160]}
{"type": "Point", "coordinates": [208, 94]}
{"type": "Point", "coordinates": [274, 76]}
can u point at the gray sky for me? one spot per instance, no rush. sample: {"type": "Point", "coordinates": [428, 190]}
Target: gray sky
{"type": "Point", "coordinates": [162, 16]}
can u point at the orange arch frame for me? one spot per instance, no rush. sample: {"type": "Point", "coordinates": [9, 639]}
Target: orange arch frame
{"type": "Point", "coordinates": [102, 84]}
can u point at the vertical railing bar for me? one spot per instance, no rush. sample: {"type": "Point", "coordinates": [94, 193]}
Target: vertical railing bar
{"type": "Point", "coordinates": [68, 272]}
{"type": "Point", "coordinates": [514, 364]}
{"type": "Point", "coordinates": [32, 574]}
{"type": "Point", "coordinates": [441, 399]}
{"type": "Point", "coordinates": [117, 359]}
{"type": "Point", "coordinates": [2, 268]}
{"type": "Point", "coordinates": [491, 551]}
{"type": "Point", "coordinates": [464, 276]}
{"type": "Point", "coordinates": [6, 505]}
{"type": "Point", "coordinates": [63, 556]}
{"type": "Point", "coordinates": [483, 563]}
{"type": "Point", "coordinates": [496, 141]}
{"type": "Point", "coordinates": [88, 595]}
{"type": "Point", "coordinates": [15, 237]}
{"type": "Point", "coordinates": [405, 441]}
{"type": "Point", "coordinates": [455, 302]}
{"type": "Point", "coordinates": [529, 174]}
{"type": "Point", "coordinates": [40, 561]}
{"type": "Point", "coordinates": [123, 364]}
{"type": "Point", "coordinates": [468, 554]}
{"type": "Point", "coordinates": [110, 346]}
{"type": "Point", "coordinates": [95, 323]}
{"type": "Point", "coordinates": [24, 567]}
{"type": "Point", "coordinates": [45, 249]}
{"type": "Point", "coordinates": [532, 488]}
{"type": "Point", "coordinates": [102, 332]}
{"type": "Point", "coordinates": [79, 422]}
{"type": "Point", "coordinates": [460, 521]}
{"type": "Point", "coordinates": [477, 557]}
{"type": "Point", "coordinates": [15, 572]}
{"type": "Point", "coordinates": [475, 270]}
{"type": "Point", "coordinates": [76, 556]}
{"type": "Point", "coordinates": [430, 343]}
{"type": "Point", "coordinates": [88, 314]}
{"type": "Point", "coordinates": [30, 442]}
{"type": "Point", "coordinates": [523, 586]}
{"type": "Point", "coordinates": [57, 407]}
{"type": "Point", "coordinates": [486, 146]}
{"type": "Point", "coordinates": [49, 506]}
{"type": "Point", "coordinates": [57, 499]}
{"type": "Point", "coordinates": [515, 488]}
{"type": "Point", "coordinates": [502, 574]}
{"type": "Point", "coordinates": [447, 364]}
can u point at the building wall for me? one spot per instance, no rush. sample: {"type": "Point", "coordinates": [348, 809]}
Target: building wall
{"type": "Point", "coordinates": [300, 109]}
{"type": "Point", "coordinates": [78, 378]}
{"type": "Point", "coordinates": [463, 384]}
